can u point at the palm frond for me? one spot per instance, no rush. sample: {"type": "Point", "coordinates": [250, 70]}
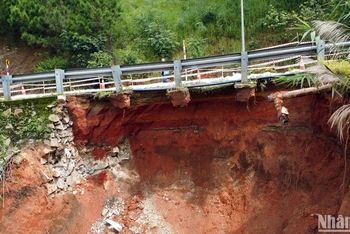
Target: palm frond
{"type": "Point", "coordinates": [324, 74]}
{"type": "Point", "coordinates": [301, 80]}
{"type": "Point", "coordinates": [332, 31]}
{"type": "Point", "coordinates": [340, 120]}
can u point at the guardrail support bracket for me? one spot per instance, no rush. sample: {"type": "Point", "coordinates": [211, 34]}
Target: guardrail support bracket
{"type": "Point", "coordinates": [244, 66]}
{"type": "Point", "coordinates": [117, 72]}
{"type": "Point", "coordinates": [59, 74]}
{"type": "Point", "coordinates": [6, 82]}
{"type": "Point", "coordinates": [320, 50]}
{"type": "Point", "coordinates": [177, 73]}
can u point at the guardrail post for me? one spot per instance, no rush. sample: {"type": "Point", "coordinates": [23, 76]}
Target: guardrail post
{"type": "Point", "coordinates": [117, 72]}
{"type": "Point", "coordinates": [6, 86]}
{"type": "Point", "coordinates": [177, 73]}
{"type": "Point", "coordinates": [244, 66]}
{"type": "Point", "coordinates": [59, 74]}
{"type": "Point", "coordinates": [320, 50]}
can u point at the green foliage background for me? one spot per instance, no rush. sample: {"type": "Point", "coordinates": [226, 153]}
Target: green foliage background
{"type": "Point", "coordinates": [137, 31]}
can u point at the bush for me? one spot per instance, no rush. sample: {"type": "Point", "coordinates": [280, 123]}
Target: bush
{"type": "Point", "coordinates": [51, 63]}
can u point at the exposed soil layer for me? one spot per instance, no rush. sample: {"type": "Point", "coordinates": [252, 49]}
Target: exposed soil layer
{"type": "Point", "coordinates": [212, 166]}
{"type": "Point", "coordinates": [226, 169]}
{"type": "Point", "coordinates": [179, 98]}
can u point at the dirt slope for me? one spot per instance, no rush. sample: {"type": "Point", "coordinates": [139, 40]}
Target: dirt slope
{"type": "Point", "coordinates": [22, 60]}
{"type": "Point", "coordinates": [210, 167]}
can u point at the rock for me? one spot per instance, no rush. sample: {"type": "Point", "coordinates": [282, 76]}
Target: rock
{"type": "Point", "coordinates": [114, 224]}
{"type": "Point", "coordinates": [9, 126]}
{"type": "Point", "coordinates": [115, 150]}
{"type": "Point", "coordinates": [51, 126]}
{"type": "Point", "coordinates": [54, 118]}
{"type": "Point", "coordinates": [47, 150]}
{"type": "Point", "coordinates": [72, 178]}
{"type": "Point", "coordinates": [7, 112]}
{"type": "Point", "coordinates": [70, 168]}
{"type": "Point", "coordinates": [45, 177]}
{"type": "Point", "coordinates": [7, 142]}
{"type": "Point", "coordinates": [18, 112]}
{"type": "Point", "coordinates": [104, 211]}
{"type": "Point", "coordinates": [61, 99]}
{"type": "Point", "coordinates": [60, 183]}
{"type": "Point", "coordinates": [54, 143]}
{"type": "Point", "coordinates": [56, 172]}
{"type": "Point", "coordinates": [65, 120]}
{"type": "Point", "coordinates": [59, 127]}
{"type": "Point", "coordinates": [17, 159]}
{"type": "Point", "coordinates": [67, 153]}
{"type": "Point", "coordinates": [100, 165]}
{"type": "Point", "coordinates": [107, 185]}
{"type": "Point", "coordinates": [112, 161]}
{"type": "Point", "coordinates": [43, 161]}
{"type": "Point", "coordinates": [51, 188]}
{"type": "Point", "coordinates": [50, 106]}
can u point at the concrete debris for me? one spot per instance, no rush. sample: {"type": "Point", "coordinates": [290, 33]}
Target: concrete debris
{"type": "Point", "coordinates": [114, 224]}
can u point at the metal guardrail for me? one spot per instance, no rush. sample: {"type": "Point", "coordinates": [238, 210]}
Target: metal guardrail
{"type": "Point", "coordinates": [283, 51]}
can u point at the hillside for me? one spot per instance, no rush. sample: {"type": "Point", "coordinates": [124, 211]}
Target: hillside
{"type": "Point", "coordinates": [94, 33]}
{"type": "Point", "coordinates": [23, 59]}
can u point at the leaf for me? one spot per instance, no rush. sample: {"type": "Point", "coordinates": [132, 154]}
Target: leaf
{"type": "Point", "coordinates": [313, 35]}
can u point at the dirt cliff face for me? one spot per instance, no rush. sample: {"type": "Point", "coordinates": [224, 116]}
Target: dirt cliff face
{"type": "Point", "coordinates": [224, 168]}
{"type": "Point", "coordinates": [214, 166]}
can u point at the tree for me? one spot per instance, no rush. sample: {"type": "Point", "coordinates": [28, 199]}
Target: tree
{"type": "Point", "coordinates": [80, 47]}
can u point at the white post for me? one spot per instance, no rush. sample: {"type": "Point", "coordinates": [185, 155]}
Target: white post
{"type": "Point", "coordinates": [184, 50]}
{"type": "Point", "coordinates": [242, 26]}
{"type": "Point", "coordinates": [244, 55]}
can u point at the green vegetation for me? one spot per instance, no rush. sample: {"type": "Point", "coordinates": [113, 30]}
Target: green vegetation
{"type": "Point", "coordinates": [136, 31]}
{"type": "Point", "coordinates": [23, 120]}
